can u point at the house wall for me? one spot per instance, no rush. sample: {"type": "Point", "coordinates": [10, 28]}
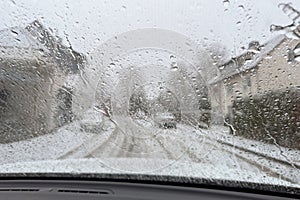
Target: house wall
{"type": "Point", "coordinates": [275, 73]}
{"type": "Point", "coordinates": [31, 107]}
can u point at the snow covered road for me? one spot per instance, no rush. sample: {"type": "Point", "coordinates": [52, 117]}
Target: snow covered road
{"type": "Point", "coordinates": [184, 144]}
{"type": "Point", "coordinates": [126, 139]}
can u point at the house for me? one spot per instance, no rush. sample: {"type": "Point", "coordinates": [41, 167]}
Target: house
{"type": "Point", "coordinates": [258, 91]}
{"type": "Point", "coordinates": [220, 88]}
{"type": "Point", "coordinates": [35, 87]}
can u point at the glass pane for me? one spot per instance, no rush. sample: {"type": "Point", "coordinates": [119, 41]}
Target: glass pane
{"type": "Point", "coordinates": [202, 89]}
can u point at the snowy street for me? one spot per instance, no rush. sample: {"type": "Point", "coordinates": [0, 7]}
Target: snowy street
{"type": "Point", "coordinates": [126, 139]}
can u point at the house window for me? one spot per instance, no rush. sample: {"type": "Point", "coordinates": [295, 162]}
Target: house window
{"type": "Point", "coordinates": [291, 55]}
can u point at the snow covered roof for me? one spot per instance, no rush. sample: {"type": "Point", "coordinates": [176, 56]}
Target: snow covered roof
{"type": "Point", "coordinates": [272, 44]}
{"type": "Point", "coordinates": [18, 37]}
{"type": "Point", "coordinates": [35, 37]}
{"type": "Point", "coordinates": [241, 67]}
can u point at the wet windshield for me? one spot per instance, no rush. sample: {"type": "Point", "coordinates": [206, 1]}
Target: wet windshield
{"type": "Point", "coordinates": [202, 89]}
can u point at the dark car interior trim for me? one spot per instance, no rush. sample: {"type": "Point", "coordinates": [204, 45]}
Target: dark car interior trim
{"type": "Point", "coordinates": [122, 186]}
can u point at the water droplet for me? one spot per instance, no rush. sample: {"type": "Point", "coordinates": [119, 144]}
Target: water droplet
{"type": "Point", "coordinates": [160, 61]}
{"type": "Point", "coordinates": [174, 67]}
{"type": "Point", "coordinates": [226, 4]}
{"type": "Point", "coordinates": [268, 57]}
{"type": "Point", "coordinates": [297, 59]}
{"type": "Point", "coordinates": [41, 51]}
{"type": "Point", "coordinates": [12, 1]}
{"type": "Point", "coordinates": [15, 33]}
{"type": "Point", "coordinates": [221, 67]}
{"type": "Point", "coordinates": [112, 65]}
{"type": "Point", "coordinates": [297, 50]}
{"type": "Point", "coordinates": [241, 7]}
{"type": "Point", "coordinates": [172, 57]}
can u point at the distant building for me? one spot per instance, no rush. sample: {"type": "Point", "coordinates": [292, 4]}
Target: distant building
{"type": "Point", "coordinates": [36, 70]}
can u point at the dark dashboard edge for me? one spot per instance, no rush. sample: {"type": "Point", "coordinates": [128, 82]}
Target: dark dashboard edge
{"type": "Point", "coordinates": [226, 185]}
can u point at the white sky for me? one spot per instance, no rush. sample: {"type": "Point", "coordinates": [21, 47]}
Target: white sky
{"type": "Point", "coordinates": [88, 23]}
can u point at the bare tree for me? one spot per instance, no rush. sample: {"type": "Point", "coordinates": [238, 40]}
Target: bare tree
{"type": "Point", "coordinates": [138, 102]}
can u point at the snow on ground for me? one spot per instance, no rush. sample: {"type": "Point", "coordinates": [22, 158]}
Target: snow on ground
{"type": "Point", "coordinates": [195, 152]}
{"type": "Point", "coordinates": [53, 145]}
{"type": "Point", "coordinates": [49, 146]}
{"type": "Point", "coordinates": [150, 166]}
{"type": "Point", "coordinates": [84, 134]}
{"type": "Point", "coordinates": [72, 137]}
{"type": "Point", "coordinates": [202, 146]}
{"type": "Point", "coordinates": [221, 133]}
{"type": "Point", "coordinates": [86, 146]}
